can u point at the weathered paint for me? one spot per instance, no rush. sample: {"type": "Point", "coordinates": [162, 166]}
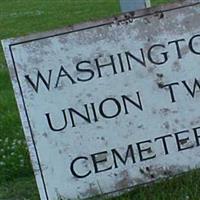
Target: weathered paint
{"type": "Point", "coordinates": [132, 5]}
{"type": "Point", "coordinates": [52, 152]}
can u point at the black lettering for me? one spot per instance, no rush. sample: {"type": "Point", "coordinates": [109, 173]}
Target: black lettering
{"type": "Point", "coordinates": [64, 73]}
{"type": "Point", "coordinates": [73, 111]}
{"type": "Point", "coordinates": [171, 90]}
{"type": "Point", "coordinates": [94, 112]}
{"type": "Point", "coordinates": [88, 71]}
{"type": "Point", "coordinates": [191, 45]}
{"type": "Point", "coordinates": [100, 158]}
{"type": "Point", "coordinates": [149, 54]}
{"type": "Point", "coordinates": [163, 139]}
{"type": "Point", "coordinates": [40, 77]}
{"type": "Point", "coordinates": [197, 135]}
{"type": "Point", "coordinates": [141, 60]}
{"type": "Point", "coordinates": [121, 62]}
{"type": "Point", "coordinates": [195, 85]}
{"type": "Point", "coordinates": [111, 63]}
{"type": "Point", "coordinates": [141, 150]}
{"type": "Point", "coordinates": [73, 170]}
{"type": "Point", "coordinates": [50, 123]}
{"type": "Point", "coordinates": [102, 112]}
{"type": "Point", "coordinates": [181, 141]}
{"type": "Point", "coordinates": [129, 153]}
{"type": "Point", "coordinates": [177, 46]}
{"type": "Point", "coordinates": [136, 104]}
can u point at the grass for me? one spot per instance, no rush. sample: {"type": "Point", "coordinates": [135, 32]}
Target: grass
{"type": "Point", "coordinates": [21, 17]}
{"type": "Point", "coordinates": [20, 189]}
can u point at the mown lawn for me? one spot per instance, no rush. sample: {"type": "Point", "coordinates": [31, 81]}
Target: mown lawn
{"type": "Point", "coordinates": [21, 17]}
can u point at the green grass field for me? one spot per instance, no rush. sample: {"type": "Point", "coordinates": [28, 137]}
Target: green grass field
{"type": "Point", "coordinates": [21, 17]}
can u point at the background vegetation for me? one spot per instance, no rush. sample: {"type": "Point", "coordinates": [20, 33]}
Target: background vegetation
{"type": "Point", "coordinates": [21, 17]}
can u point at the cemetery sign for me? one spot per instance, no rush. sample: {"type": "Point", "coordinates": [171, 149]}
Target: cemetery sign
{"type": "Point", "coordinates": [111, 104]}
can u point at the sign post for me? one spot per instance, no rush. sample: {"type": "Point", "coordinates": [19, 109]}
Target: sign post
{"type": "Point", "coordinates": [112, 104]}
{"type": "Point", "coordinates": [132, 5]}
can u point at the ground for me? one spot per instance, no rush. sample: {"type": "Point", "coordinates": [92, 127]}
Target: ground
{"type": "Point", "coordinates": [21, 17]}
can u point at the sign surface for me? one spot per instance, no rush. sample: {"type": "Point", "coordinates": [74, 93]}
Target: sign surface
{"type": "Point", "coordinates": [111, 104]}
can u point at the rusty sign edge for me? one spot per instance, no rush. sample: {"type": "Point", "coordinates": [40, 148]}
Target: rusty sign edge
{"type": "Point", "coordinates": [101, 22]}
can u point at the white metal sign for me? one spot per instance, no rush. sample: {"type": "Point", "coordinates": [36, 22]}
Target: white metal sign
{"type": "Point", "coordinates": [110, 104]}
